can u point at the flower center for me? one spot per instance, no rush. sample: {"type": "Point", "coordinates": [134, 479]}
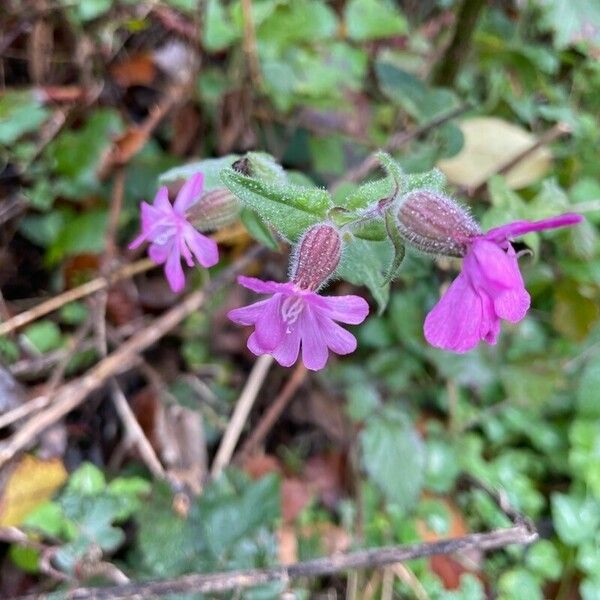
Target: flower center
{"type": "Point", "coordinates": [291, 309]}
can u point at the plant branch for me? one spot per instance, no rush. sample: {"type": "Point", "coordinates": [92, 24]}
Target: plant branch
{"type": "Point", "coordinates": [91, 287]}
{"type": "Point", "coordinates": [72, 394]}
{"type": "Point", "coordinates": [361, 559]}
{"type": "Point", "coordinates": [240, 414]}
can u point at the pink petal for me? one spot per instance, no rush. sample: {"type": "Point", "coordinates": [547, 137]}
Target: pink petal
{"type": "Point", "coordinates": [511, 230]}
{"type": "Point", "coordinates": [174, 271]}
{"type": "Point", "coordinates": [264, 287]}
{"type": "Point", "coordinates": [138, 241]}
{"type": "Point", "coordinates": [159, 253]}
{"type": "Point", "coordinates": [189, 193]}
{"type": "Point", "coordinates": [161, 201]}
{"type": "Point", "coordinates": [457, 321]}
{"type": "Point", "coordinates": [314, 347]}
{"type": "Point", "coordinates": [247, 315]}
{"type": "Point", "coordinates": [270, 326]}
{"type": "Point", "coordinates": [346, 309]}
{"type": "Point", "coordinates": [286, 354]}
{"type": "Point", "coordinates": [337, 338]}
{"type": "Point", "coordinates": [205, 250]}
{"type": "Point", "coordinates": [497, 272]}
{"type": "Point", "coordinates": [255, 347]}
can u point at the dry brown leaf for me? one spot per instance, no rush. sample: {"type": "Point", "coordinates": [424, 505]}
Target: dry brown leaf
{"type": "Point", "coordinates": [491, 143]}
{"type": "Point", "coordinates": [138, 69]}
{"type": "Point", "coordinates": [32, 483]}
{"type": "Point", "coordinates": [295, 496]}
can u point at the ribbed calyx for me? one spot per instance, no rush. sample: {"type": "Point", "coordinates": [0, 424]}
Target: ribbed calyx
{"type": "Point", "coordinates": [215, 209]}
{"type": "Point", "coordinates": [317, 256]}
{"type": "Point", "coordinates": [436, 224]}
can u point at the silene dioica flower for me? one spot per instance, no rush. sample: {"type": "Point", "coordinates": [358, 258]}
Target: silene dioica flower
{"type": "Point", "coordinates": [172, 236]}
{"type": "Point", "coordinates": [490, 286]}
{"type": "Point", "coordinates": [296, 316]}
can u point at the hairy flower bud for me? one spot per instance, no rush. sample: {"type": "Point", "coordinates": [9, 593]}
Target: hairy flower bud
{"type": "Point", "coordinates": [215, 209]}
{"type": "Point", "coordinates": [316, 257]}
{"type": "Point", "coordinates": [435, 224]}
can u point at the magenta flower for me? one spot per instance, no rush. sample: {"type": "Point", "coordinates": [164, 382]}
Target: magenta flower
{"type": "Point", "coordinates": [489, 288]}
{"type": "Point", "coordinates": [295, 317]}
{"type": "Point", "coordinates": [171, 236]}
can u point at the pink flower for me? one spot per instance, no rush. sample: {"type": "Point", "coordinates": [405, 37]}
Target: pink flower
{"type": "Point", "coordinates": [293, 317]}
{"type": "Point", "coordinates": [489, 288]}
{"type": "Point", "coordinates": [171, 236]}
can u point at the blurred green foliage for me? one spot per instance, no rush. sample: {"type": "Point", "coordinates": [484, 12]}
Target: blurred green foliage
{"type": "Point", "coordinates": [523, 416]}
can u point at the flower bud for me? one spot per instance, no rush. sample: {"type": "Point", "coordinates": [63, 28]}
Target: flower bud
{"type": "Point", "coordinates": [215, 209]}
{"type": "Point", "coordinates": [435, 224]}
{"type": "Point", "coordinates": [316, 257]}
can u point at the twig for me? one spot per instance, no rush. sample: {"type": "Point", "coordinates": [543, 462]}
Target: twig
{"type": "Point", "coordinates": [135, 432]}
{"type": "Point", "coordinates": [91, 287]}
{"type": "Point", "coordinates": [397, 141]}
{"type": "Point", "coordinates": [546, 138]}
{"type": "Point", "coordinates": [273, 413]}
{"type": "Point", "coordinates": [250, 47]}
{"type": "Point", "coordinates": [72, 394]}
{"type": "Point", "coordinates": [240, 414]}
{"type": "Point", "coordinates": [362, 559]}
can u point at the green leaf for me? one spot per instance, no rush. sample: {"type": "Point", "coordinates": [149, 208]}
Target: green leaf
{"type": "Point", "coordinates": [257, 229]}
{"type": "Point", "coordinates": [584, 457]}
{"type": "Point", "coordinates": [588, 400]}
{"type": "Point", "coordinates": [226, 520]}
{"type": "Point", "coordinates": [44, 229]}
{"type": "Point", "coordinates": [86, 480]}
{"type": "Point", "coordinates": [87, 10]}
{"type": "Point", "coordinates": [219, 30]}
{"type": "Point", "coordinates": [74, 155]}
{"type": "Point", "coordinates": [289, 208]}
{"type": "Point", "coordinates": [394, 457]}
{"type": "Point", "coordinates": [443, 466]}
{"type": "Point", "coordinates": [44, 336]}
{"type": "Point", "coordinates": [415, 97]}
{"type": "Point", "coordinates": [297, 21]}
{"type": "Point", "coordinates": [575, 518]}
{"type": "Point", "coordinates": [20, 113]}
{"type": "Point", "coordinates": [543, 559]}
{"type": "Point", "coordinates": [363, 263]}
{"type": "Point", "coordinates": [85, 233]}
{"type": "Point", "coordinates": [210, 167]}
{"type": "Point", "coordinates": [517, 584]}
{"type": "Point", "coordinates": [373, 19]}
{"type": "Point", "coordinates": [572, 21]}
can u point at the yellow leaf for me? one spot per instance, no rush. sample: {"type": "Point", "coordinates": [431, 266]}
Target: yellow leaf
{"type": "Point", "coordinates": [490, 143]}
{"type": "Point", "coordinates": [32, 483]}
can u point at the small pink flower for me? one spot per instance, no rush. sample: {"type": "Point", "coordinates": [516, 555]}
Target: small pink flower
{"type": "Point", "coordinates": [489, 288]}
{"type": "Point", "coordinates": [171, 236]}
{"type": "Point", "coordinates": [295, 317]}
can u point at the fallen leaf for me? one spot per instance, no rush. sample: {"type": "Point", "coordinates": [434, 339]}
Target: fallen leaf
{"type": "Point", "coordinates": [295, 496]}
{"type": "Point", "coordinates": [258, 465]}
{"type": "Point", "coordinates": [490, 143]}
{"type": "Point", "coordinates": [32, 483]}
{"type": "Point", "coordinates": [138, 69]}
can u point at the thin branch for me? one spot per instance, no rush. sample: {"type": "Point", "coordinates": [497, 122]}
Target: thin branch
{"type": "Point", "coordinates": [91, 287]}
{"type": "Point", "coordinates": [273, 412]}
{"type": "Point", "coordinates": [135, 433]}
{"type": "Point", "coordinates": [361, 559]}
{"type": "Point", "coordinates": [72, 394]}
{"type": "Point", "coordinates": [397, 141]}
{"type": "Point", "coordinates": [250, 47]}
{"type": "Point", "coordinates": [240, 414]}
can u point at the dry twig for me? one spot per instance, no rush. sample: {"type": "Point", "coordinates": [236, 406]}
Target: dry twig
{"type": "Point", "coordinates": [72, 394]}
{"type": "Point", "coordinates": [240, 414]}
{"type": "Point", "coordinates": [361, 559]}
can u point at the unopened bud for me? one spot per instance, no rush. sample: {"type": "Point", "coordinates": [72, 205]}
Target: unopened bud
{"type": "Point", "coordinates": [435, 224]}
{"type": "Point", "coordinates": [317, 256]}
{"type": "Point", "coordinates": [215, 209]}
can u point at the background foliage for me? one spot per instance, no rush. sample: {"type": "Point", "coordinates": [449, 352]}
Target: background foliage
{"type": "Point", "coordinates": [376, 449]}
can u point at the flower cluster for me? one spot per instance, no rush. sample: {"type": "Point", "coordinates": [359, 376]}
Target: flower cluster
{"type": "Point", "coordinates": [296, 318]}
